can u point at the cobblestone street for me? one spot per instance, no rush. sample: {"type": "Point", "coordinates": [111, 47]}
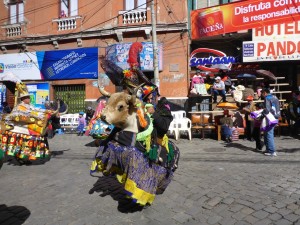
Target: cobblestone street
{"type": "Point", "coordinates": [215, 183]}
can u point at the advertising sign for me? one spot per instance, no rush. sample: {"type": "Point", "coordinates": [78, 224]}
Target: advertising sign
{"type": "Point", "coordinates": [39, 94]}
{"type": "Point", "coordinates": [212, 60]}
{"type": "Point", "coordinates": [23, 65]}
{"type": "Point", "coordinates": [273, 43]}
{"type": "Point", "coordinates": [242, 15]}
{"type": "Point", "coordinates": [118, 53]}
{"type": "Point", "coordinates": [52, 65]}
{"type": "Point", "coordinates": [69, 64]}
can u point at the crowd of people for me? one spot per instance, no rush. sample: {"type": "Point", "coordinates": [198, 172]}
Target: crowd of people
{"type": "Point", "coordinates": [247, 91]}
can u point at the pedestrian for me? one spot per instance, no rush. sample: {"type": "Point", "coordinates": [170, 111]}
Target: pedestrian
{"type": "Point", "coordinates": [256, 133]}
{"type": "Point", "coordinates": [250, 107]}
{"type": "Point", "coordinates": [218, 88]}
{"type": "Point", "coordinates": [226, 126]}
{"type": "Point", "coordinates": [271, 105]}
{"type": "Point", "coordinates": [81, 124]}
{"type": "Point", "coordinates": [89, 114]}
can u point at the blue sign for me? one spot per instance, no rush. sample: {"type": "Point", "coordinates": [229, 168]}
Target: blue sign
{"type": "Point", "coordinates": [248, 50]}
{"type": "Point", "coordinates": [81, 63]}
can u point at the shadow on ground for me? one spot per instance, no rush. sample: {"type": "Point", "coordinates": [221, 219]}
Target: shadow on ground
{"type": "Point", "coordinates": [242, 147]}
{"type": "Point", "coordinates": [93, 143]}
{"type": "Point", "coordinates": [61, 152]}
{"type": "Point", "coordinates": [109, 185]}
{"type": "Point", "coordinates": [13, 215]}
{"type": "Point", "coordinates": [20, 162]}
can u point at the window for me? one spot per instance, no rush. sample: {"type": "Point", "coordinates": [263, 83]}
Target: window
{"type": "Point", "coordinates": [16, 12]}
{"type": "Point", "coordinates": [135, 4]}
{"type": "Point", "coordinates": [227, 1]}
{"type": "Point", "coordinates": [68, 8]}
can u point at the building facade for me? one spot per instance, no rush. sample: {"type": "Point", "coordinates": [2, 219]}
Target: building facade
{"type": "Point", "coordinates": [62, 28]}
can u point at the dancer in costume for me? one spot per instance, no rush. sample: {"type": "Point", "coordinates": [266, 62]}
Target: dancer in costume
{"type": "Point", "coordinates": [129, 152]}
{"type": "Point", "coordinates": [23, 131]}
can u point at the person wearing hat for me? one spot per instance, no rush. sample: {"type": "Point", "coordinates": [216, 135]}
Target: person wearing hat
{"type": "Point", "coordinates": [24, 106]}
{"type": "Point", "coordinates": [250, 107]}
{"type": "Point", "coordinates": [150, 94]}
{"type": "Point", "coordinates": [81, 124]}
{"type": "Point", "coordinates": [218, 88]}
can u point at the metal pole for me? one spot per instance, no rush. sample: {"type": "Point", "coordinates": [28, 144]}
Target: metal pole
{"type": "Point", "coordinates": [154, 41]}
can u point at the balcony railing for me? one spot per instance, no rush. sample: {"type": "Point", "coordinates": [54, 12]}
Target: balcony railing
{"type": "Point", "coordinates": [13, 30]}
{"type": "Point", "coordinates": [69, 23]}
{"type": "Point", "coordinates": [134, 16]}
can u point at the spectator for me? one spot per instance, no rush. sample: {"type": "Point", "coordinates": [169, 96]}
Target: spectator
{"type": "Point", "coordinates": [250, 107]}
{"type": "Point", "coordinates": [271, 104]}
{"type": "Point", "coordinates": [226, 79]}
{"type": "Point", "coordinates": [81, 124]}
{"type": "Point", "coordinates": [226, 127]}
{"type": "Point", "coordinates": [219, 89]}
{"type": "Point", "coordinates": [256, 134]}
{"type": "Point", "coordinates": [89, 114]}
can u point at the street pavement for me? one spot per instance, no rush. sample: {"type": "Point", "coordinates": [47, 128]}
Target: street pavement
{"type": "Point", "coordinates": [216, 183]}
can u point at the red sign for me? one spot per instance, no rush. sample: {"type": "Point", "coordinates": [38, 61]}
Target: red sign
{"type": "Point", "coordinates": [242, 15]}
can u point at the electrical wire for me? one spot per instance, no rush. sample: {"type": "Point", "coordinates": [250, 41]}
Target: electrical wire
{"type": "Point", "coordinates": [95, 26]}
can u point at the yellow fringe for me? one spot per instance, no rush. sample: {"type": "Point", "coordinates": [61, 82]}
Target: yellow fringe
{"type": "Point", "coordinates": [140, 195]}
{"type": "Point", "coordinates": [164, 142]}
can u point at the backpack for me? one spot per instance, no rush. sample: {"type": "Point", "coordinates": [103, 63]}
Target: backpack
{"type": "Point", "coordinates": [274, 107]}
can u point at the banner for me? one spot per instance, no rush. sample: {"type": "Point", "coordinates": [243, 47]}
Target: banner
{"type": "Point", "coordinates": [23, 65]}
{"type": "Point", "coordinates": [81, 63]}
{"type": "Point", "coordinates": [39, 94]}
{"type": "Point", "coordinates": [69, 64]}
{"type": "Point", "coordinates": [242, 15]}
{"type": "Point", "coordinates": [118, 53]}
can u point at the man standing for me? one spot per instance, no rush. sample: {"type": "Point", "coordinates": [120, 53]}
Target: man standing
{"type": "Point", "coordinates": [271, 105]}
{"type": "Point", "coordinates": [219, 89]}
{"type": "Point", "coordinates": [89, 114]}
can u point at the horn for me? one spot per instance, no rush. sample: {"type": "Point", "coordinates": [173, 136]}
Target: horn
{"type": "Point", "coordinates": [132, 98]}
{"type": "Point", "coordinates": [102, 90]}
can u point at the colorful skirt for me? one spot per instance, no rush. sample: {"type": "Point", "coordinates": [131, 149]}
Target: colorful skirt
{"type": "Point", "coordinates": [25, 147]}
{"type": "Point", "coordinates": [142, 179]}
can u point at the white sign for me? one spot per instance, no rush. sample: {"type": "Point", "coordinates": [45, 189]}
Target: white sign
{"type": "Point", "coordinates": [273, 43]}
{"type": "Point", "coordinates": [256, 51]}
{"type": "Point", "coordinates": [24, 65]}
{"type": "Point", "coordinates": [277, 32]}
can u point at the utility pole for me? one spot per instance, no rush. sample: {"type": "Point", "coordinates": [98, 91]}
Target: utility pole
{"type": "Point", "coordinates": [154, 41]}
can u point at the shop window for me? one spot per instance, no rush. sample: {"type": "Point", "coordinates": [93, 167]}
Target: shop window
{"type": "Point", "coordinates": [68, 8]}
{"type": "Point", "coordinates": [135, 4]}
{"type": "Point", "coordinates": [16, 11]}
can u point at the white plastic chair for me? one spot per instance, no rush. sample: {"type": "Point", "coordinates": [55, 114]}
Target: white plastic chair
{"type": "Point", "coordinates": [182, 123]}
{"type": "Point", "coordinates": [186, 126]}
{"type": "Point", "coordinates": [178, 114]}
{"type": "Point", "coordinates": [173, 129]}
